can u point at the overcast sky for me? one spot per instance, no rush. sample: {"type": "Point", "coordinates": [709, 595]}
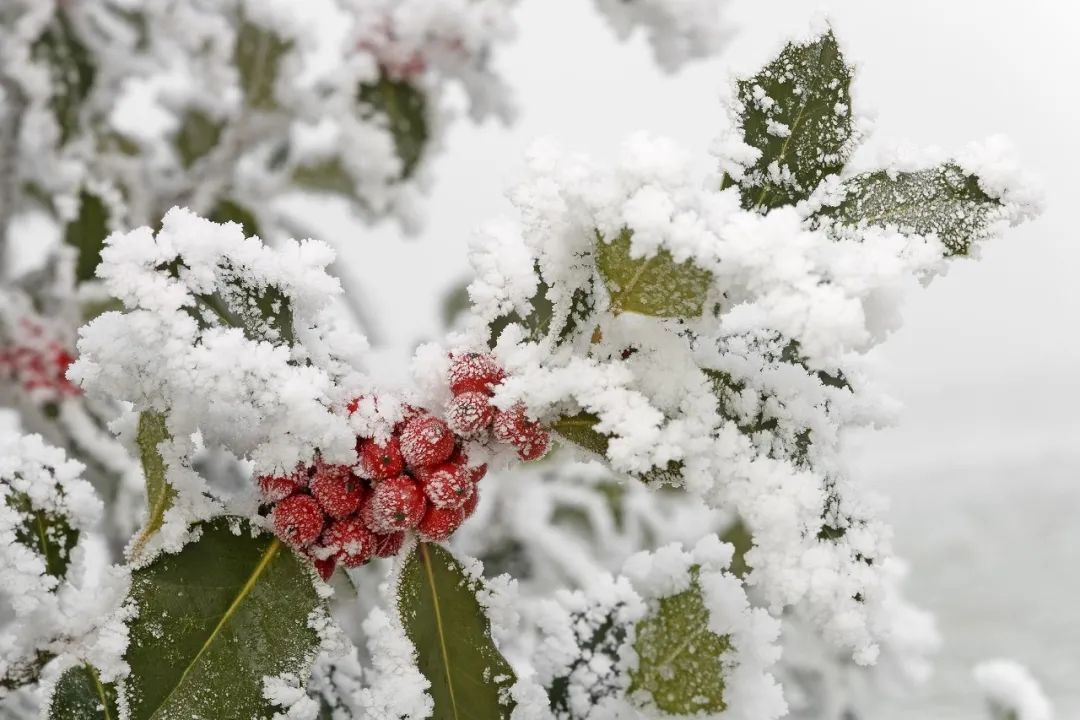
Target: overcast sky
{"type": "Point", "coordinates": [982, 468]}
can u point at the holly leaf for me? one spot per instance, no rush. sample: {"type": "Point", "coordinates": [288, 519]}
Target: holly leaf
{"type": "Point", "coordinates": [326, 176]}
{"type": "Point", "coordinates": [199, 133]}
{"type": "Point", "coordinates": [580, 429]}
{"type": "Point", "coordinates": [48, 534]}
{"type": "Point", "coordinates": [257, 56]}
{"type": "Point", "coordinates": [943, 201]}
{"type": "Point", "coordinates": [80, 695]}
{"type": "Point", "coordinates": [159, 493]}
{"type": "Point", "coordinates": [87, 233]}
{"type": "Point", "coordinates": [213, 620]}
{"type": "Point", "coordinates": [231, 211]}
{"type": "Point", "coordinates": [679, 658]}
{"type": "Point", "coordinates": [797, 112]}
{"type": "Point", "coordinates": [655, 285]}
{"type": "Point", "coordinates": [452, 636]}
{"type": "Point", "coordinates": [71, 72]}
{"type": "Point", "coordinates": [403, 107]}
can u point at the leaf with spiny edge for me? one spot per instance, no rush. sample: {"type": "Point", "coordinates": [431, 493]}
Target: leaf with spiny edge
{"type": "Point", "coordinates": [943, 201]}
{"type": "Point", "coordinates": [655, 285]}
{"type": "Point", "coordinates": [541, 320]}
{"type": "Point", "coordinates": [580, 429]}
{"type": "Point", "coordinates": [679, 657]}
{"type": "Point", "coordinates": [797, 112]}
{"type": "Point", "coordinates": [79, 694]}
{"type": "Point", "coordinates": [232, 607]}
{"type": "Point", "coordinates": [442, 618]}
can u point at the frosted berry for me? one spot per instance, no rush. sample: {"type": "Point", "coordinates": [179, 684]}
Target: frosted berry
{"type": "Point", "coordinates": [350, 540]}
{"type": "Point", "coordinates": [298, 520]}
{"type": "Point", "coordinates": [389, 545]}
{"type": "Point", "coordinates": [426, 441]}
{"type": "Point", "coordinates": [474, 372]}
{"type": "Point", "coordinates": [325, 568]}
{"type": "Point", "coordinates": [476, 473]}
{"type": "Point", "coordinates": [470, 505]}
{"type": "Point", "coordinates": [338, 491]}
{"type": "Point", "coordinates": [528, 437]}
{"type": "Point", "coordinates": [448, 486]}
{"type": "Point", "coordinates": [440, 523]}
{"type": "Point", "coordinates": [469, 413]}
{"type": "Point", "coordinates": [380, 461]}
{"type": "Point", "coordinates": [394, 504]}
{"type": "Point", "coordinates": [278, 487]}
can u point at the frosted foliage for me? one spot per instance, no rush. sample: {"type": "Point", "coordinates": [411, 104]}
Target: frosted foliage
{"type": "Point", "coordinates": [215, 371]}
{"type": "Point", "coordinates": [677, 30]}
{"type": "Point", "coordinates": [1011, 692]}
{"type": "Point", "coordinates": [744, 405]}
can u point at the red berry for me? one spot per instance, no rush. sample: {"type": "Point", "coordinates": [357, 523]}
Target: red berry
{"type": "Point", "coordinates": [448, 486]}
{"type": "Point", "coordinates": [470, 505]}
{"type": "Point", "coordinates": [474, 372]}
{"type": "Point", "coordinates": [476, 472]}
{"type": "Point", "coordinates": [338, 491]}
{"type": "Point", "coordinates": [298, 520]}
{"type": "Point", "coordinates": [278, 487]}
{"type": "Point", "coordinates": [426, 441]}
{"type": "Point", "coordinates": [514, 427]}
{"type": "Point", "coordinates": [389, 545]}
{"type": "Point", "coordinates": [469, 413]}
{"type": "Point", "coordinates": [395, 504]}
{"type": "Point", "coordinates": [350, 540]}
{"type": "Point", "coordinates": [325, 568]}
{"type": "Point", "coordinates": [440, 523]}
{"type": "Point", "coordinates": [379, 462]}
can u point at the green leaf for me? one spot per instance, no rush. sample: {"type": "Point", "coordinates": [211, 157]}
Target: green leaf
{"type": "Point", "coordinates": [580, 429]}
{"type": "Point", "coordinates": [214, 619]}
{"type": "Point", "coordinates": [257, 56]}
{"type": "Point", "coordinates": [679, 658]}
{"type": "Point", "coordinates": [159, 494]}
{"type": "Point", "coordinates": [806, 90]}
{"type": "Point", "coordinates": [80, 695]}
{"type": "Point", "coordinates": [655, 285]}
{"type": "Point", "coordinates": [87, 233]}
{"type": "Point", "coordinates": [230, 211]}
{"type": "Point", "coordinates": [199, 133]}
{"type": "Point", "coordinates": [944, 201]}
{"type": "Point", "coordinates": [739, 536]}
{"type": "Point", "coordinates": [48, 534]}
{"type": "Point", "coordinates": [541, 318]}
{"type": "Point", "coordinates": [404, 108]}
{"type": "Point", "coordinates": [26, 670]}
{"type": "Point", "coordinates": [452, 636]}
{"type": "Point", "coordinates": [326, 176]}
{"type": "Point", "coordinates": [71, 72]}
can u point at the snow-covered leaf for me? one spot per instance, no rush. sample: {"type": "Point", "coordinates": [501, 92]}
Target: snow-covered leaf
{"type": "Point", "coordinates": [679, 658]}
{"type": "Point", "coordinates": [541, 316]}
{"type": "Point", "coordinates": [49, 534]}
{"type": "Point", "coordinates": [86, 233]}
{"type": "Point", "coordinates": [325, 176]}
{"type": "Point", "coordinates": [228, 210]}
{"type": "Point", "coordinates": [159, 494]}
{"type": "Point", "coordinates": [71, 72]}
{"type": "Point", "coordinates": [655, 285]}
{"type": "Point", "coordinates": [797, 112]}
{"type": "Point", "coordinates": [80, 695]}
{"type": "Point", "coordinates": [258, 54]}
{"type": "Point", "coordinates": [403, 107]}
{"type": "Point", "coordinates": [452, 636]}
{"type": "Point", "coordinates": [943, 200]}
{"type": "Point", "coordinates": [580, 429]}
{"type": "Point", "coordinates": [229, 609]}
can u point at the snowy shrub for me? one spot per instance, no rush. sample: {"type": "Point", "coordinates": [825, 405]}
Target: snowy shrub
{"type": "Point", "coordinates": [615, 490]}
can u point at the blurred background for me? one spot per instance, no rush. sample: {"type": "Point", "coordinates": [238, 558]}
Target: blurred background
{"type": "Point", "coordinates": [982, 472]}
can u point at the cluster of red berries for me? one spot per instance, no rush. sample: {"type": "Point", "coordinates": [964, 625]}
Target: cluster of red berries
{"type": "Point", "coordinates": [418, 480]}
{"type": "Point", "coordinates": [38, 363]}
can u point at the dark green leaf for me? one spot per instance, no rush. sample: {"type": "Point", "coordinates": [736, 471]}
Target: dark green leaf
{"type": "Point", "coordinates": [404, 109]}
{"type": "Point", "coordinates": [944, 201]}
{"type": "Point", "coordinates": [230, 211]}
{"type": "Point", "coordinates": [159, 494]}
{"type": "Point", "coordinates": [198, 135]}
{"type": "Point", "coordinates": [86, 233]}
{"type": "Point", "coordinates": [257, 55]}
{"type": "Point", "coordinates": [214, 620]}
{"type": "Point", "coordinates": [581, 430]}
{"type": "Point", "coordinates": [807, 91]}
{"type": "Point", "coordinates": [46, 533]}
{"type": "Point", "coordinates": [739, 536]}
{"type": "Point", "coordinates": [80, 695]}
{"type": "Point", "coordinates": [327, 176]}
{"type": "Point", "coordinates": [71, 72]}
{"type": "Point", "coordinates": [454, 304]}
{"type": "Point", "coordinates": [25, 671]}
{"type": "Point", "coordinates": [679, 658]}
{"type": "Point", "coordinates": [540, 318]}
{"type": "Point", "coordinates": [655, 285]}
{"type": "Point", "coordinates": [452, 636]}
